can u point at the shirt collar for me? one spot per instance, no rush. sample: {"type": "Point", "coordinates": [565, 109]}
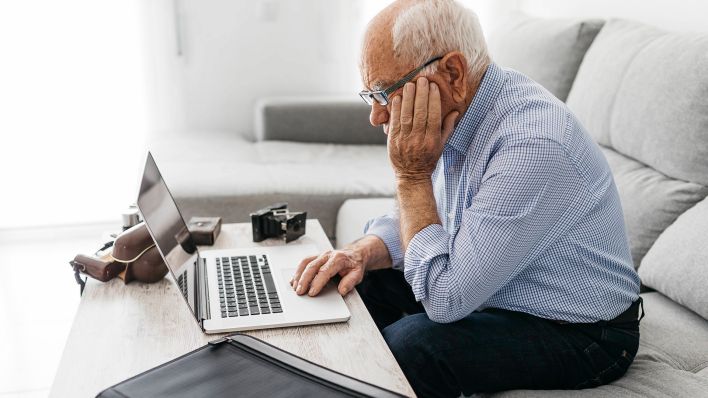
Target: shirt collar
{"type": "Point", "coordinates": [486, 95]}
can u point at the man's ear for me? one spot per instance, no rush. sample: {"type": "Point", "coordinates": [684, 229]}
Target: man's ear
{"type": "Point", "coordinates": [453, 66]}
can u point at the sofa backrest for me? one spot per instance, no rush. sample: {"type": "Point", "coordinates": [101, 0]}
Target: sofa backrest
{"type": "Point", "coordinates": [547, 50]}
{"type": "Point", "coordinates": [333, 120]}
{"type": "Point", "coordinates": [642, 93]}
{"type": "Point", "coordinates": [677, 263]}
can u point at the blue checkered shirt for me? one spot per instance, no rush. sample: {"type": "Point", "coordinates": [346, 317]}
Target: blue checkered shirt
{"type": "Point", "coordinates": [531, 217]}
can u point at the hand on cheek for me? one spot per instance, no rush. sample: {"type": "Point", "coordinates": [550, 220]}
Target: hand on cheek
{"type": "Point", "coordinates": [417, 134]}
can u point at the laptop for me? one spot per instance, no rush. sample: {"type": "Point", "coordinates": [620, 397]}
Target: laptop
{"type": "Point", "coordinates": [233, 289]}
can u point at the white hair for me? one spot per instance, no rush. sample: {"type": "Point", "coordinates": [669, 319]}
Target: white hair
{"type": "Point", "coordinates": [433, 28]}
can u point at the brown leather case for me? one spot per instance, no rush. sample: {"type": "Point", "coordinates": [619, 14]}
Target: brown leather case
{"type": "Point", "coordinates": [97, 268]}
{"type": "Point", "coordinates": [204, 230]}
{"type": "Point", "coordinates": [136, 249]}
{"type": "Point", "coordinates": [149, 268]}
{"type": "Point", "coordinates": [134, 257]}
{"type": "Point", "coordinates": [131, 243]}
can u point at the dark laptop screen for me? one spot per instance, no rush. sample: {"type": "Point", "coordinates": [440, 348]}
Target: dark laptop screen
{"type": "Point", "coordinates": [169, 230]}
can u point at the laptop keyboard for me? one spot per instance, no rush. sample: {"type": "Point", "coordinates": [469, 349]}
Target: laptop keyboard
{"type": "Point", "coordinates": [246, 286]}
{"type": "Point", "coordinates": [182, 283]}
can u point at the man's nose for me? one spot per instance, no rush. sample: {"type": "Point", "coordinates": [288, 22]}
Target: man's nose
{"type": "Point", "coordinates": [379, 114]}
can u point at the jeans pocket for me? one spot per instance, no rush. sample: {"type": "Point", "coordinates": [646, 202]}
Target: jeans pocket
{"type": "Point", "coordinates": [622, 344]}
{"type": "Point", "coordinates": [604, 368]}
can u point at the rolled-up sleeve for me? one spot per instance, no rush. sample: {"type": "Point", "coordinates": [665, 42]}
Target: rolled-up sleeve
{"type": "Point", "coordinates": [527, 187]}
{"type": "Point", "coordinates": [388, 229]}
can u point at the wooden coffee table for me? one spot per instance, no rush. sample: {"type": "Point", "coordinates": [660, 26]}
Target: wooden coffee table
{"type": "Point", "coordinates": [121, 330]}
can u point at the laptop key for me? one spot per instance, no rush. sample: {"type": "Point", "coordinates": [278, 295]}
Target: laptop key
{"type": "Point", "coordinates": [276, 309]}
{"type": "Point", "coordinates": [270, 285]}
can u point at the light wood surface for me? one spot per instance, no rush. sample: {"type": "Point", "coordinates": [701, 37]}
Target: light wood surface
{"type": "Point", "coordinates": [121, 330]}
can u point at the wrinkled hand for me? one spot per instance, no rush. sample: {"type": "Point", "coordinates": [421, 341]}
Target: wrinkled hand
{"type": "Point", "coordinates": [417, 135]}
{"type": "Point", "coordinates": [314, 272]}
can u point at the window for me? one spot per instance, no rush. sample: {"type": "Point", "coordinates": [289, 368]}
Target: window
{"type": "Point", "coordinates": [72, 108]}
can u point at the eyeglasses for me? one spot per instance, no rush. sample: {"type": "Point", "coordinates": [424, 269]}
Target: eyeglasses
{"type": "Point", "coordinates": [381, 96]}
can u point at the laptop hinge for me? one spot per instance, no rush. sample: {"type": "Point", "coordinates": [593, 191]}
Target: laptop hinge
{"type": "Point", "coordinates": [204, 310]}
{"type": "Point", "coordinates": [198, 293]}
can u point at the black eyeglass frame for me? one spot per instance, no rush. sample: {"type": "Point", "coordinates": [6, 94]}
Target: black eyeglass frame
{"type": "Point", "coordinates": [381, 96]}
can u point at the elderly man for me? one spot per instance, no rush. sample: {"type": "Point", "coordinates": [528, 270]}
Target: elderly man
{"type": "Point", "coordinates": [506, 264]}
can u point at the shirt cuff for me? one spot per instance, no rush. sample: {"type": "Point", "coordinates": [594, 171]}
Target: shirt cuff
{"type": "Point", "coordinates": [423, 258]}
{"type": "Point", "coordinates": [388, 230]}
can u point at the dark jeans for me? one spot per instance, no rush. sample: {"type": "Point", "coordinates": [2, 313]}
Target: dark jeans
{"type": "Point", "coordinates": [494, 349]}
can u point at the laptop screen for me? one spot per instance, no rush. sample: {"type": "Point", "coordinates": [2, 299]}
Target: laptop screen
{"type": "Point", "coordinates": [168, 229]}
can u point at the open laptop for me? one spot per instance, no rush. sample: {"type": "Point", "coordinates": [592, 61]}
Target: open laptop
{"type": "Point", "coordinates": [234, 289]}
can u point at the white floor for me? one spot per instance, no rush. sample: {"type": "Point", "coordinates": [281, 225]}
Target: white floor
{"type": "Point", "coordinates": [38, 300]}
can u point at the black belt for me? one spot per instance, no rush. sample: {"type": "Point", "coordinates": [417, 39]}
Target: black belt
{"type": "Point", "coordinates": [631, 314]}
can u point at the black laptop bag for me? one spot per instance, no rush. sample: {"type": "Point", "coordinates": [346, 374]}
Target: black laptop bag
{"type": "Point", "coordinates": [239, 365]}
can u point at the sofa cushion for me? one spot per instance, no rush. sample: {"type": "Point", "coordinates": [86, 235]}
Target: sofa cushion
{"type": "Point", "coordinates": [666, 364]}
{"type": "Point", "coordinates": [663, 122]}
{"type": "Point", "coordinates": [644, 93]}
{"type": "Point", "coordinates": [224, 175]}
{"type": "Point", "coordinates": [355, 213]}
{"type": "Point", "coordinates": [548, 51]}
{"type": "Point", "coordinates": [703, 373]}
{"type": "Point", "coordinates": [677, 264]}
{"type": "Point", "coordinates": [592, 96]}
{"type": "Point", "coordinates": [314, 119]}
{"type": "Point", "coordinates": [650, 200]}
{"type": "Point", "coordinates": [673, 334]}
{"type": "Point", "coordinates": [644, 378]}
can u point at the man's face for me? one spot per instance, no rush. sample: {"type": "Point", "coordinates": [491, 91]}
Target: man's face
{"type": "Point", "coordinates": [380, 70]}
{"type": "Point", "coordinates": [378, 75]}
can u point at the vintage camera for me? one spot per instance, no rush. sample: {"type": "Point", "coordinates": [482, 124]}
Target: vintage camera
{"type": "Point", "coordinates": [276, 221]}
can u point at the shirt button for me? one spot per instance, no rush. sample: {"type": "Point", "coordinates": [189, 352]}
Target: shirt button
{"type": "Point", "coordinates": [450, 215]}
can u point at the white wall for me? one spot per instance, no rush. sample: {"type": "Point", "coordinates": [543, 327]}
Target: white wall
{"type": "Point", "coordinates": [490, 12]}
{"type": "Point", "coordinates": [209, 61]}
{"type": "Point", "coordinates": [72, 110]}
{"type": "Point", "coordinates": [231, 53]}
{"type": "Point", "coordinates": [678, 15]}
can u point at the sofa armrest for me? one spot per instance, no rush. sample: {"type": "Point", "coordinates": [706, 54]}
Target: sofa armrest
{"type": "Point", "coordinates": [316, 119]}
